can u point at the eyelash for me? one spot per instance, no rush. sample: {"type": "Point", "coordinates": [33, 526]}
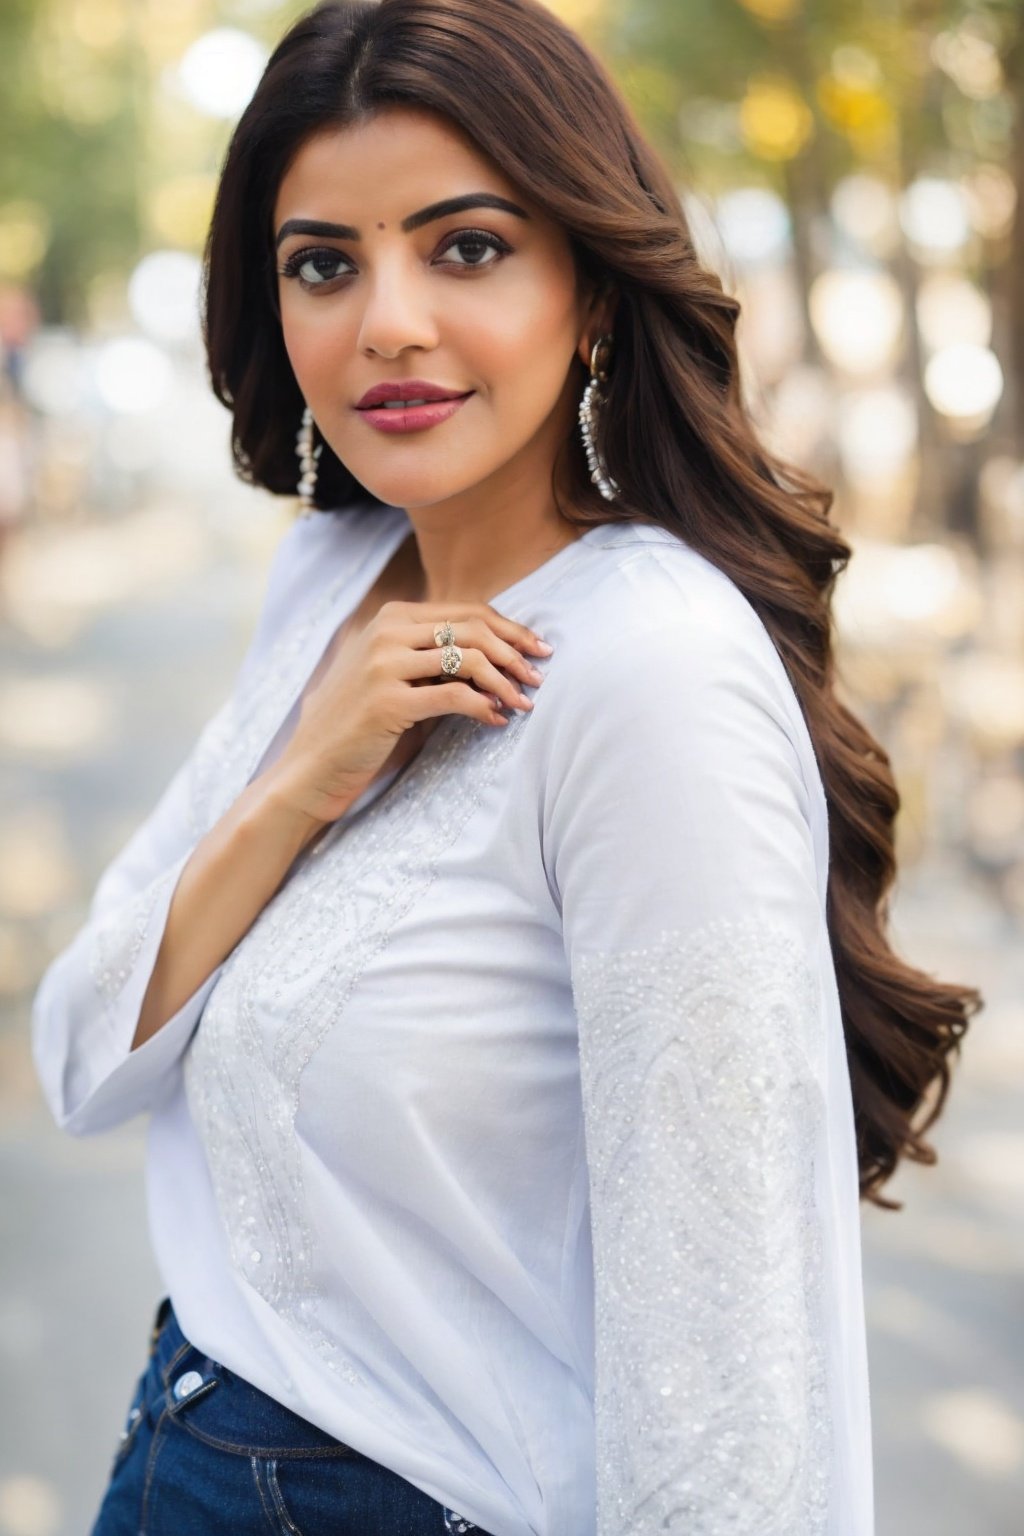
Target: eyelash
{"type": "Point", "coordinates": [298, 259]}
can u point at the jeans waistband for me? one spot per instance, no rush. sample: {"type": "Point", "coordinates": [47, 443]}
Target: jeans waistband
{"type": "Point", "coordinates": [232, 1415]}
{"type": "Point", "coordinates": [166, 1340]}
{"type": "Point", "coordinates": [225, 1409]}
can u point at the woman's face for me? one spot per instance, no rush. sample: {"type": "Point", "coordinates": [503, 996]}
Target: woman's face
{"type": "Point", "coordinates": [484, 300]}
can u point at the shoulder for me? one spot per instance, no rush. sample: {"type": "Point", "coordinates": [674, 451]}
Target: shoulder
{"type": "Point", "coordinates": [648, 616]}
{"type": "Point", "coordinates": [664, 675]}
{"type": "Point", "coordinates": [315, 550]}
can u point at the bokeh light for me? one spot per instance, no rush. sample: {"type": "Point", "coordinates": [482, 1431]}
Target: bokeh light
{"type": "Point", "coordinates": [964, 383]}
{"type": "Point", "coordinates": [858, 318]}
{"type": "Point", "coordinates": [163, 293]}
{"type": "Point", "coordinates": [221, 69]}
{"type": "Point", "coordinates": [877, 432]}
{"type": "Point", "coordinates": [775, 120]}
{"type": "Point", "coordinates": [755, 226]}
{"type": "Point", "coordinates": [864, 208]}
{"type": "Point", "coordinates": [952, 309]}
{"type": "Point", "coordinates": [935, 217]}
{"type": "Point", "coordinates": [55, 374]}
{"type": "Point", "coordinates": [132, 374]}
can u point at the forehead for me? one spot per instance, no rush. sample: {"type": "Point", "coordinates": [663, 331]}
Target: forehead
{"type": "Point", "coordinates": [385, 167]}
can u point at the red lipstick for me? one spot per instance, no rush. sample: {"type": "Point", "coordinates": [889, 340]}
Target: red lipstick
{"type": "Point", "coordinates": [420, 404]}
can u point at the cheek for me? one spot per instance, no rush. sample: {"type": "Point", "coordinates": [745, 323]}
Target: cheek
{"type": "Point", "coordinates": [525, 336]}
{"type": "Point", "coordinates": [317, 338]}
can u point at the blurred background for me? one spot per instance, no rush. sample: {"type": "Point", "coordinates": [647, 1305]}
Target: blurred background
{"type": "Point", "coordinates": [853, 171]}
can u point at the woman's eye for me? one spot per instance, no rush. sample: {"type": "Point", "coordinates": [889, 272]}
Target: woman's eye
{"type": "Point", "coordinates": [309, 266]}
{"type": "Point", "coordinates": [477, 240]}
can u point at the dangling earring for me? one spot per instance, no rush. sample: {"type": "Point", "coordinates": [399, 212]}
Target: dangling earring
{"type": "Point", "coordinates": [590, 405]}
{"type": "Point", "coordinates": [308, 457]}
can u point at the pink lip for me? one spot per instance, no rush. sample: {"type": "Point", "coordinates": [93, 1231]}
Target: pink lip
{"type": "Point", "coordinates": [412, 418]}
{"type": "Point", "coordinates": [407, 389]}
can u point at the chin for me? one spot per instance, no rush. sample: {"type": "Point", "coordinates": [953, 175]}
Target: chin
{"type": "Point", "coordinates": [417, 487]}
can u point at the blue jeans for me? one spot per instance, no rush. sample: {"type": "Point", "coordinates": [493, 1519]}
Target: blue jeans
{"type": "Point", "coordinates": [204, 1453]}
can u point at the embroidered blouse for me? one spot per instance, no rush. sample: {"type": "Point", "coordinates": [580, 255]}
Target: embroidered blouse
{"type": "Point", "coordinates": [513, 1144]}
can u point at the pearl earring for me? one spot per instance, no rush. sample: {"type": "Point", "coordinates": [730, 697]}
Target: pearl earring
{"type": "Point", "coordinates": [590, 405]}
{"type": "Point", "coordinates": [308, 457]}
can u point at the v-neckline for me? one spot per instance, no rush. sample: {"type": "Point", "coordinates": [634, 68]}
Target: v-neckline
{"type": "Point", "coordinates": [350, 588]}
{"type": "Point", "coordinates": [343, 597]}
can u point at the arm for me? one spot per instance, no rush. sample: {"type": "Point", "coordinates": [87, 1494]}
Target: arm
{"type": "Point", "coordinates": [224, 886]}
{"type": "Point", "coordinates": [88, 1009]}
{"type": "Point", "coordinates": [681, 851]}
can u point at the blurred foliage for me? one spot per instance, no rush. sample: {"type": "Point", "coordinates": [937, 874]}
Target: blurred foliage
{"type": "Point", "coordinates": [102, 157]}
{"type": "Point", "coordinates": [70, 171]}
{"type": "Point", "coordinates": [873, 77]}
{"type": "Point", "coordinates": [794, 95]}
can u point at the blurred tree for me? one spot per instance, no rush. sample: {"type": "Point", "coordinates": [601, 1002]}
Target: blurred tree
{"type": "Point", "coordinates": [71, 83]}
{"type": "Point", "coordinates": [1013, 60]}
{"type": "Point", "coordinates": [796, 94]}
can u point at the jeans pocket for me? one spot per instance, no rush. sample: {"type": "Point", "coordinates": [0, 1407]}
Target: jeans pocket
{"type": "Point", "coordinates": [231, 1414]}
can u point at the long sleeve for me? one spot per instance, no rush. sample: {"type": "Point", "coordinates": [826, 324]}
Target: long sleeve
{"type": "Point", "coordinates": [680, 848]}
{"type": "Point", "coordinates": [87, 1004]}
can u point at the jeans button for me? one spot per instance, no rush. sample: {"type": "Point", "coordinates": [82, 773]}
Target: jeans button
{"type": "Point", "coordinates": [187, 1384]}
{"type": "Point", "coordinates": [455, 1522]}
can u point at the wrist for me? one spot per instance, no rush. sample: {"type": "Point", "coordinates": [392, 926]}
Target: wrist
{"type": "Point", "coordinates": [274, 800]}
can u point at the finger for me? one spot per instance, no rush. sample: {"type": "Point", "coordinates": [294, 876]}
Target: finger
{"type": "Point", "coordinates": [514, 633]}
{"type": "Point", "coordinates": [476, 668]}
{"type": "Point", "coordinates": [454, 698]}
{"type": "Point", "coordinates": [476, 632]}
{"type": "Point", "coordinates": [479, 670]}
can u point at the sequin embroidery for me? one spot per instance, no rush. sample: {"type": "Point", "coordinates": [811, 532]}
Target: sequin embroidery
{"type": "Point", "coordinates": [703, 1119]}
{"type": "Point", "coordinates": [312, 942]}
{"type": "Point", "coordinates": [119, 936]}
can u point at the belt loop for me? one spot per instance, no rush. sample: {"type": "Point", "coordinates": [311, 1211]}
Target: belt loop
{"type": "Point", "coordinates": [161, 1317]}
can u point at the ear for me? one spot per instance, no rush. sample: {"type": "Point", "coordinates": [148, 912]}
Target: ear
{"type": "Point", "coordinates": [599, 318]}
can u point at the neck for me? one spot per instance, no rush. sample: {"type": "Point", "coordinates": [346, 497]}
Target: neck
{"type": "Point", "coordinates": [450, 559]}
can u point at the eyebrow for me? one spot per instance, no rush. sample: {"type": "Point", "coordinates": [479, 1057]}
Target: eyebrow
{"type": "Point", "coordinates": [413, 221]}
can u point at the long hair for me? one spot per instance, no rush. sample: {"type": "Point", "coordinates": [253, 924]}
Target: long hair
{"type": "Point", "coordinates": [674, 433]}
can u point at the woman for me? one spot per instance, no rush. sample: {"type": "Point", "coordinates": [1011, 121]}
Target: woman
{"type": "Point", "coordinates": [516, 1019]}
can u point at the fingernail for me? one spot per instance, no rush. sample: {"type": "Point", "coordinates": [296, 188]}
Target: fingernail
{"type": "Point", "coordinates": [542, 645]}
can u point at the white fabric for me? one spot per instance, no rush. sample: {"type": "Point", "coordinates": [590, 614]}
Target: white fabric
{"type": "Point", "coordinates": [515, 1144]}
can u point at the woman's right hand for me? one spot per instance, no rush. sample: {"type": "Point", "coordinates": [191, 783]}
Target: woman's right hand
{"type": "Point", "coordinates": [351, 720]}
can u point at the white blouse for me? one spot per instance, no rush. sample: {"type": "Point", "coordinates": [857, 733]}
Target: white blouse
{"type": "Point", "coordinates": [513, 1144]}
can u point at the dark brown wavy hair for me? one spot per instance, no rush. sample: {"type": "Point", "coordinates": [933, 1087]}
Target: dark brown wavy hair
{"type": "Point", "coordinates": [675, 434]}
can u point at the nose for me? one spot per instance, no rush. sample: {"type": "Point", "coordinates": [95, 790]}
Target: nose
{"type": "Point", "coordinates": [396, 311]}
